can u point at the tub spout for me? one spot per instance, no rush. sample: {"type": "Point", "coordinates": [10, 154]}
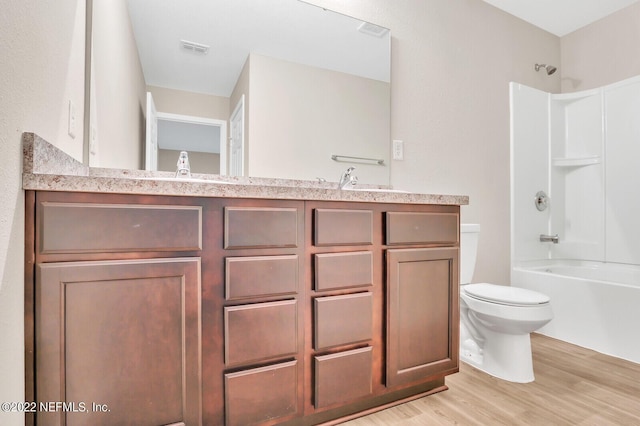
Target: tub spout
{"type": "Point", "coordinates": [549, 238]}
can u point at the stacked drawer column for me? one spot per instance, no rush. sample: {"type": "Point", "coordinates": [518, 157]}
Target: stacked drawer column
{"type": "Point", "coordinates": [345, 301]}
{"type": "Point", "coordinates": [262, 312]}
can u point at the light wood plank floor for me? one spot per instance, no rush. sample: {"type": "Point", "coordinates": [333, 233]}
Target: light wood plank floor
{"type": "Point", "coordinates": [573, 386]}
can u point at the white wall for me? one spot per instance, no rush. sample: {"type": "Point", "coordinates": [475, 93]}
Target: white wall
{"type": "Point", "coordinates": [118, 106]}
{"type": "Point", "coordinates": [603, 52]}
{"type": "Point", "coordinates": [307, 114]}
{"type": "Point", "coordinates": [42, 68]}
{"type": "Point", "coordinates": [189, 103]}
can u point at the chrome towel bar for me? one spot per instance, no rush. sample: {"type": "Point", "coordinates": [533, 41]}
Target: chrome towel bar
{"type": "Point", "coordinates": [363, 160]}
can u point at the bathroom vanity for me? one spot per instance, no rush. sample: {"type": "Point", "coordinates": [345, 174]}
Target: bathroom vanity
{"type": "Point", "coordinates": [150, 301]}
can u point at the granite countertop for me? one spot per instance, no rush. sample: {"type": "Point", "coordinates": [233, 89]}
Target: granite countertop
{"type": "Point", "coordinates": [47, 168]}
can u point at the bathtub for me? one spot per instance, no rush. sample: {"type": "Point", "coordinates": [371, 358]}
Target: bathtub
{"type": "Point", "coordinates": [596, 305]}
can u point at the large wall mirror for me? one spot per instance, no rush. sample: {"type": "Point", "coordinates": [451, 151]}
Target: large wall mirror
{"type": "Point", "coordinates": [264, 88]}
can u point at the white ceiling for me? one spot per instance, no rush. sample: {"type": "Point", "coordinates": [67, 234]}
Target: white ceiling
{"type": "Point", "coordinates": [286, 29]}
{"type": "Point", "coordinates": [560, 17]}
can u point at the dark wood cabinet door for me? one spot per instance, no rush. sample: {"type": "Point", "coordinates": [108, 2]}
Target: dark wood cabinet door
{"type": "Point", "coordinates": [118, 341]}
{"type": "Point", "coordinates": [422, 319]}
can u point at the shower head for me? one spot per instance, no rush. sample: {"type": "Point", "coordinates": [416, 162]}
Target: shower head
{"type": "Point", "coordinates": [549, 68]}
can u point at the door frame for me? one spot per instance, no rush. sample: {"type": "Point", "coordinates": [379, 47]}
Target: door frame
{"type": "Point", "coordinates": [238, 115]}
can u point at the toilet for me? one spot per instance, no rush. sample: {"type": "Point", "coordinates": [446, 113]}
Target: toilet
{"type": "Point", "coordinates": [496, 320]}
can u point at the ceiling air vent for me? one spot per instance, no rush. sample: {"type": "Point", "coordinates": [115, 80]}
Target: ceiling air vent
{"type": "Point", "coordinates": [193, 47]}
{"type": "Point", "coordinates": [372, 29]}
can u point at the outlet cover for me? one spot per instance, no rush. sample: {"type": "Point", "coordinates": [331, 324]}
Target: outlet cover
{"type": "Point", "coordinates": [72, 119]}
{"type": "Point", "coordinates": [398, 150]}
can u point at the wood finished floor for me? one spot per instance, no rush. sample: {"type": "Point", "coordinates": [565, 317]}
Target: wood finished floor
{"type": "Point", "coordinates": [573, 386]}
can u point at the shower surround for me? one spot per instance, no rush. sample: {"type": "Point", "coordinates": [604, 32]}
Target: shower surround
{"type": "Point", "coordinates": [583, 150]}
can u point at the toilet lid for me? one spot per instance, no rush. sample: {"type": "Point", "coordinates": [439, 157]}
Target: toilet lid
{"type": "Point", "coordinates": [506, 295]}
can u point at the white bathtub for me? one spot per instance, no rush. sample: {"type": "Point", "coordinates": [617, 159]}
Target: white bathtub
{"type": "Point", "coordinates": [596, 305]}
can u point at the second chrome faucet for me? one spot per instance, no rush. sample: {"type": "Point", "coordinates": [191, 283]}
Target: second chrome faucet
{"type": "Point", "coordinates": [347, 179]}
{"type": "Point", "coordinates": [183, 168]}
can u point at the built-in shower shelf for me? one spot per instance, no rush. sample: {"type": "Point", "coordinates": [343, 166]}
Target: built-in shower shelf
{"type": "Point", "coordinates": [576, 161]}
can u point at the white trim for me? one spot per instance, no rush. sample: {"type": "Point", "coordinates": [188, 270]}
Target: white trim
{"type": "Point", "coordinates": [191, 119]}
{"type": "Point", "coordinates": [239, 109]}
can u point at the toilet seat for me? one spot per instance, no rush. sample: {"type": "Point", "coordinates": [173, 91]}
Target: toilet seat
{"type": "Point", "coordinates": [505, 295]}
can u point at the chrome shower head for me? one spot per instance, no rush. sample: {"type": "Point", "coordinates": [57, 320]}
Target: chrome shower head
{"type": "Point", "coordinates": [549, 68]}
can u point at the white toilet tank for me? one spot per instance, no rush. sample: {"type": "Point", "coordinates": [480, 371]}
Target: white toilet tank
{"type": "Point", "coordinates": [468, 250]}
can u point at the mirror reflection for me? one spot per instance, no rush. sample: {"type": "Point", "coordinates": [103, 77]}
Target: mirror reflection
{"type": "Point", "coordinates": [248, 87]}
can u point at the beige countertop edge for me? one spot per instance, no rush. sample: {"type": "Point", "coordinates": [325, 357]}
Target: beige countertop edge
{"type": "Point", "coordinates": [47, 168]}
{"type": "Point", "coordinates": [119, 185]}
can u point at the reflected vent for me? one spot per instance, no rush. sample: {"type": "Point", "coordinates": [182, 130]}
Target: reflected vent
{"type": "Point", "coordinates": [372, 29]}
{"type": "Point", "coordinates": [193, 47]}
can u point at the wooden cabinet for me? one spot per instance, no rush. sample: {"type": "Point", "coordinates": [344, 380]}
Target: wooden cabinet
{"type": "Point", "coordinates": [343, 296]}
{"type": "Point", "coordinates": [214, 311]}
{"type": "Point", "coordinates": [120, 334]}
{"type": "Point", "coordinates": [263, 252]}
{"type": "Point", "coordinates": [117, 317]}
{"type": "Point", "coordinates": [422, 320]}
{"type": "Point", "coordinates": [422, 295]}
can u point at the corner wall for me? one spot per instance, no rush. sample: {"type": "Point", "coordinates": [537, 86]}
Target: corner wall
{"type": "Point", "coordinates": [119, 99]}
{"type": "Point", "coordinates": [42, 46]}
{"type": "Point", "coordinates": [603, 52]}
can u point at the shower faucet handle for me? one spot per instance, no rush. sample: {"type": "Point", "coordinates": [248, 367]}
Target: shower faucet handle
{"type": "Point", "coordinates": [549, 238]}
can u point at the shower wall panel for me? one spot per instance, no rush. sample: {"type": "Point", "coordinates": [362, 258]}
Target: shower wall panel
{"type": "Point", "coordinates": [529, 170]}
{"type": "Point", "coordinates": [577, 175]}
{"type": "Point", "coordinates": [622, 103]}
{"type": "Point", "coordinates": [589, 165]}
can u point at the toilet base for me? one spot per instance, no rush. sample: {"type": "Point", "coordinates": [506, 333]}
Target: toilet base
{"type": "Point", "coordinates": [505, 356]}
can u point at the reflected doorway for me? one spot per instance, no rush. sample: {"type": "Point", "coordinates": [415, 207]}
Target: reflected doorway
{"type": "Point", "coordinates": [168, 134]}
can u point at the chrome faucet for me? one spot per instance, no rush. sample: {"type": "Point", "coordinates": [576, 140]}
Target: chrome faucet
{"type": "Point", "coordinates": [549, 238]}
{"type": "Point", "coordinates": [346, 179]}
{"type": "Point", "coordinates": [184, 169]}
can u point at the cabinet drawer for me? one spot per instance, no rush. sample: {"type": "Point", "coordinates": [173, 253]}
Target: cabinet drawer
{"type": "Point", "coordinates": [421, 228]}
{"type": "Point", "coordinates": [261, 394]}
{"type": "Point", "coordinates": [343, 227]}
{"type": "Point", "coordinates": [343, 376]}
{"type": "Point", "coordinates": [260, 276]}
{"type": "Point", "coordinates": [260, 227]}
{"type": "Point", "coordinates": [343, 270]}
{"type": "Point", "coordinates": [260, 331]}
{"type": "Point", "coordinates": [343, 319]}
{"type": "Point", "coordinates": [92, 228]}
